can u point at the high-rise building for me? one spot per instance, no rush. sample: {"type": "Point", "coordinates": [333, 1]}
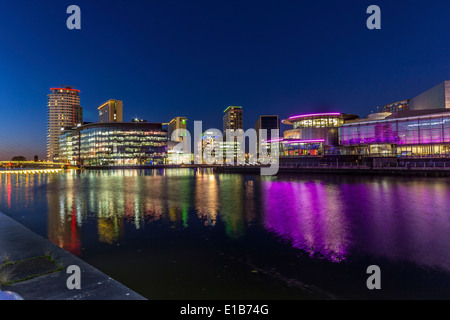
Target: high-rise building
{"type": "Point", "coordinates": [174, 124]}
{"type": "Point", "coordinates": [111, 111]}
{"type": "Point", "coordinates": [63, 110]}
{"type": "Point", "coordinates": [233, 119]}
{"type": "Point", "coordinates": [268, 123]}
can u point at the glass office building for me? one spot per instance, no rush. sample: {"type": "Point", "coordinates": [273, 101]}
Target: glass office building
{"type": "Point", "coordinates": [216, 149]}
{"type": "Point", "coordinates": [65, 146]}
{"type": "Point", "coordinates": [312, 134]}
{"type": "Point", "coordinates": [114, 144]}
{"type": "Point", "coordinates": [405, 133]}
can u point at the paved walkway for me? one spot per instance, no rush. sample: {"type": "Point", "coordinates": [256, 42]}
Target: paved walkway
{"type": "Point", "coordinates": [19, 243]}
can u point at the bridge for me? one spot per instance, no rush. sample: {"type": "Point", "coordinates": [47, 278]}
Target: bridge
{"type": "Point", "coordinates": [29, 167]}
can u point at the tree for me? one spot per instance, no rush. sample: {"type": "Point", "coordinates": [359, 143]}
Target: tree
{"type": "Point", "coordinates": [19, 158]}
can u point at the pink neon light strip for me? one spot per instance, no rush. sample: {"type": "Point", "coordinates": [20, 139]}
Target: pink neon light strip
{"type": "Point", "coordinates": [304, 141]}
{"type": "Point", "coordinates": [297, 141]}
{"type": "Point", "coordinates": [315, 114]}
{"type": "Point", "coordinates": [275, 140]}
{"type": "Point", "coordinates": [65, 89]}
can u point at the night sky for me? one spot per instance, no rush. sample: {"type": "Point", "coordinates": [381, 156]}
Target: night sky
{"type": "Point", "coordinates": [194, 58]}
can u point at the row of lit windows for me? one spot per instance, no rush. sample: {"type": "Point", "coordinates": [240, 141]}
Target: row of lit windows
{"type": "Point", "coordinates": [398, 132]}
{"type": "Point", "coordinates": [111, 143]}
{"type": "Point", "coordinates": [107, 145]}
{"type": "Point", "coordinates": [121, 132]}
{"type": "Point", "coordinates": [121, 162]}
{"type": "Point", "coordinates": [124, 138]}
{"type": "Point", "coordinates": [62, 92]}
{"type": "Point", "coordinates": [122, 155]}
{"type": "Point", "coordinates": [112, 155]}
{"type": "Point", "coordinates": [324, 122]}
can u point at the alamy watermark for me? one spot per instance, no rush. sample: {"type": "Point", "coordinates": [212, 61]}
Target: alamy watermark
{"type": "Point", "coordinates": [73, 281]}
{"type": "Point", "coordinates": [374, 21]}
{"type": "Point", "coordinates": [212, 147]}
{"type": "Point", "coordinates": [374, 281]}
{"type": "Point", "coordinates": [74, 20]}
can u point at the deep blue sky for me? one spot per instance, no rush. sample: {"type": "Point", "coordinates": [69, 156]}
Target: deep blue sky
{"type": "Point", "coordinates": [194, 58]}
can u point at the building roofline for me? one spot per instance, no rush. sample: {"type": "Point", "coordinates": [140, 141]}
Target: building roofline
{"type": "Point", "coordinates": [69, 89]}
{"type": "Point", "coordinates": [107, 102]}
{"type": "Point", "coordinates": [389, 119]}
{"type": "Point", "coordinates": [315, 115]}
{"type": "Point", "coordinates": [174, 119]}
{"type": "Point", "coordinates": [234, 107]}
{"type": "Point", "coordinates": [346, 116]}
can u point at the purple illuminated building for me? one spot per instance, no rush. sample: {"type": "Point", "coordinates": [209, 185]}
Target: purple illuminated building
{"type": "Point", "coordinates": [313, 133]}
{"type": "Point", "coordinates": [412, 127]}
{"type": "Point", "coordinates": [408, 133]}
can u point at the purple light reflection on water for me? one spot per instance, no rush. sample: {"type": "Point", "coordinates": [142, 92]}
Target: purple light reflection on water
{"type": "Point", "coordinates": [308, 216]}
{"type": "Point", "coordinates": [403, 220]}
{"type": "Point", "coordinates": [198, 225]}
{"type": "Point", "coordinates": [392, 218]}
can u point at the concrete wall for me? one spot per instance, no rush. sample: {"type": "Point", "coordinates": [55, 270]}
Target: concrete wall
{"type": "Point", "coordinates": [437, 97]}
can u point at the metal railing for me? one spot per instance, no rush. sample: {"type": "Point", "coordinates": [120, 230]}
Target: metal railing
{"type": "Point", "coordinates": [366, 165]}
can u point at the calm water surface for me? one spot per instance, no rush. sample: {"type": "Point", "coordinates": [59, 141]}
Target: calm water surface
{"type": "Point", "coordinates": [185, 234]}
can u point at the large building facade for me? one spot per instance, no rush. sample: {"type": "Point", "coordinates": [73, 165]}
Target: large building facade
{"type": "Point", "coordinates": [414, 133]}
{"type": "Point", "coordinates": [312, 134]}
{"type": "Point", "coordinates": [114, 144]}
{"type": "Point", "coordinates": [414, 127]}
{"type": "Point", "coordinates": [407, 133]}
{"type": "Point", "coordinates": [63, 110]}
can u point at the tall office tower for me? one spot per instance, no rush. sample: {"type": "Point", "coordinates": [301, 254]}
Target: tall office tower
{"type": "Point", "coordinates": [64, 110]}
{"type": "Point", "coordinates": [232, 119]}
{"type": "Point", "coordinates": [111, 111]}
{"type": "Point", "coordinates": [174, 124]}
{"type": "Point", "coordinates": [268, 123]}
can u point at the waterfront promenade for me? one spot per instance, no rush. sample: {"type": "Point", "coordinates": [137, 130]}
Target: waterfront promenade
{"type": "Point", "coordinates": [403, 166]}
{"type": "Point", "coordinates": [347, 168]}
{"type": "Point", "coordinates": [40, 266]}
{"type": "Point", "coordinates": [433, 169]}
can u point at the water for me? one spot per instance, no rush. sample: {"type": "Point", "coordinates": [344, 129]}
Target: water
{"type": "Point", "coordinates": [186, 234]}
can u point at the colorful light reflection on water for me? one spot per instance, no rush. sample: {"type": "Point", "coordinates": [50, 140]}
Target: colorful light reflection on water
{"type": "Point", "coordinates": [309, 215]}
{"type": "Point", "coordinates": [327, 218]}
{"type": "Point", "coordinates": [401, 219]}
